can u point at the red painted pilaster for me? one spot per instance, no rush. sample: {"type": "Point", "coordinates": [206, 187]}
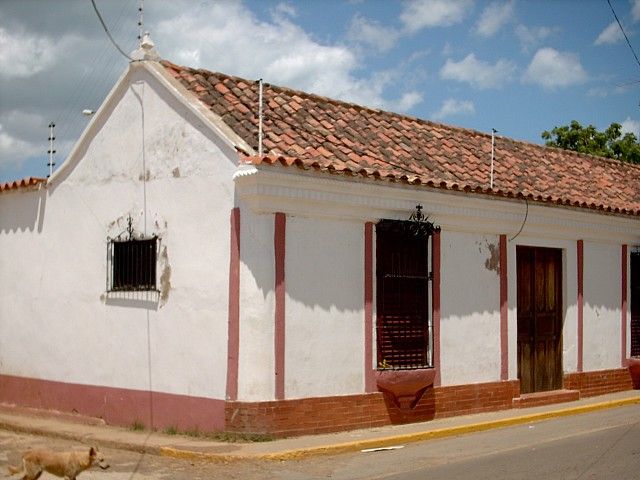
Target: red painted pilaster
{"type": "Point", "coordinates": [623, 320]}
{"type": "Point", "coordinates": [504, 311]}
{"type": "Point", "coordinates": [580, 340]}
{"type": "Point", "coordinates": [369, 378]}
{"type": "Point", "coordinates": [279, 249]}
{"type": "Point", "coordinates": [436, 305]}
{"type": "Point", "coordinates": [233, 335]}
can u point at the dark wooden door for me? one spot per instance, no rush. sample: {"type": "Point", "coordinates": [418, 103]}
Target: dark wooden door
{"type": "Point", "coordinates": [539, 277]}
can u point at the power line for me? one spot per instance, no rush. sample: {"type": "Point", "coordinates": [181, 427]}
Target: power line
{"type": "Point", "coordinates": [623, 32]}
{"type": "Point", "coordinates": [107, 31]}
{"type": "Point", "coordinates": [86, 89]}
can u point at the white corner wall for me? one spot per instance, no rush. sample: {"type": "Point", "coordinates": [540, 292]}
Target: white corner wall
{"type": "Point", "coordinates": [602, 306]}
{"type": "Point", "coordinates": [324, 315]}
{"type": "Point", "coordinates": [256, 364]}
{"type": "Point", "coordinates": [470, 308]}
{"type": "Point", "coordinates": [148, 156]}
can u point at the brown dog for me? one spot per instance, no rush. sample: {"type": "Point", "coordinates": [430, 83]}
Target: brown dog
{"type": "Point", "coordinates": [62, 464]}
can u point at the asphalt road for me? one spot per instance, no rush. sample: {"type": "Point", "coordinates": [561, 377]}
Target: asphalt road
{"type": "Point", "coordinates": [599, 445]}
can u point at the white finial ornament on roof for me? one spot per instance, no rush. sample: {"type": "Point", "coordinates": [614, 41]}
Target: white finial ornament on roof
{"type": "Point", "coordinates": [147, 49]}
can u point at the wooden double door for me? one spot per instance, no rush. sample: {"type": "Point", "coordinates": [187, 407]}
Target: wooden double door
{"type": "Point", "coordinates": [539, 277]}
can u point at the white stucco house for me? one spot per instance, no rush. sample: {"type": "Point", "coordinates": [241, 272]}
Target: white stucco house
{"type": "Point", "coordinates": [224, 255]}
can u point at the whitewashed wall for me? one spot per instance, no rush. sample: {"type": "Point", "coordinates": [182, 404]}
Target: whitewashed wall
{"type": "Point", "coordinates": [324, 315]}
{"type": "Point", "coordinates": [602, 306]}
{"type": "Point", "coordinates": [150, 158]}
{"type": "Point", "coordinates": [256, 363]}
{"type": "Point", "coordinates": [470, 308]}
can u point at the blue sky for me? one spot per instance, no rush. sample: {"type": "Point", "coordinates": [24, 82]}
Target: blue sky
{"type": "Point", "coordinates": [517, 66]}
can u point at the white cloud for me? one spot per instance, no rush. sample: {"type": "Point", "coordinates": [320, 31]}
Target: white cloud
{"type": "Point", "coordinates": [406, 102]}
{"type": "Point", "coordinates": [452, 106]}
{"type": "Point", "coordinates": [231, 39]}
{"type": "Point", "coordinates": [551, 69]}
{"type": "Point", "coordinates": [609, 35]}
{"type": "Point", "coordinates": [494, 17]}
{"type": "Point", "coordinates": [285, 10]}
{"type": "Point", "coordinates": [635, 10]}
{"type": "Point", "coordinates": [419, 14]}
{"type": "Point", "coordinates": [477, 73]}
{"type": "Point", "coordinates": [598, 92]}
{"type": "Point", "coordinates": [23, 55]}
{"type": "Point", "coordinates": [631, 126]}
{"type": "Point", "coordinates": [532, 37]}
{"type": "Point", "coordinates": [15, 130]}
{"type": "Point", "coordinates": [372, 33]}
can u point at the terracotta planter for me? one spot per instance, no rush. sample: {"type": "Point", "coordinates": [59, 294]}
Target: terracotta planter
{"type": "Point", "coordinates": [633, 364]}
{"type": "Point", "coordinates": [405, 387]}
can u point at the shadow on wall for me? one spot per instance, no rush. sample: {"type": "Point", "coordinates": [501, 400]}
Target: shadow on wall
{"type": "Point", "coordinates": [23, 211]}
{"type": "Point", "coordinates": [324, 268]}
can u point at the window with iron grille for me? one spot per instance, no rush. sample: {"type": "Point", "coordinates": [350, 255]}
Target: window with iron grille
{"type": "Point", "coordinates": [403, 323]}
{"type": "Point", "coordinates": [132, 264]}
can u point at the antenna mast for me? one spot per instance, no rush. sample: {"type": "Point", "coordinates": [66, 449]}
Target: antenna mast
{"type": "Point", "coordinates": [140, 22]}
{"type": "Point", "coordinates": [51, 151]}
{"type": "Point", "coordinates": [260, 118]}
{"type": "Point", "coordinates": [493, 150]}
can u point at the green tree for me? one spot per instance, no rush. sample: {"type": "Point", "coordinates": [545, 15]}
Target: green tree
{"type": "Point", "coordinates": [610, 143]}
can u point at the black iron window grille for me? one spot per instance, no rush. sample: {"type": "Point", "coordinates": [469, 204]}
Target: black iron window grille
{"type": "Point", "coordinates": [404, 328]}
{"type": "Point", "coordinates": [131, 263]}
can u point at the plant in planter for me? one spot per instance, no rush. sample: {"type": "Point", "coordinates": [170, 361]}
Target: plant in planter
{"type": "Point", "coordinates": [403, 387]}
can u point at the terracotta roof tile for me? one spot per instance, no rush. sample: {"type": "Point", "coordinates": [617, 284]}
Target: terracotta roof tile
{"type": "Point", "coordinates": [25, 183]}
{"type": "Point", "coordinates": [320, 133]}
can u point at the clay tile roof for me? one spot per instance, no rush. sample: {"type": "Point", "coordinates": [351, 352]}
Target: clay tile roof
{"type": "Point", "coordinates": [25, 183]}
{"type": "Point", "coordinates": [320, 133]}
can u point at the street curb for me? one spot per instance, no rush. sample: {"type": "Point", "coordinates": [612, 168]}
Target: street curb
{"type": "Point", "coordinates": [358, 445]}
{"type": "Point", "coordinates": [331, 449]}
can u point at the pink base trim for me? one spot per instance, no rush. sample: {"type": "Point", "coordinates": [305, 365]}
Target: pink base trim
{"type": "Point", "coordinates": [116, 406]}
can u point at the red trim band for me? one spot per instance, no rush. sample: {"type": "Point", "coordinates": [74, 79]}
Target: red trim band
{"type": "Point", "coordinates": [233, 341]}
{"type": "Point", "coordinates": [504, 311]}
{"type": "Point", "coordinates": [436, 305]}
{"type": "Point", "coordinates": [580, 340]}
{"type": "Point", "coordinates": [279, 249]}
{"type": "Point", "coordinates": [369, 377]}
{"type": "Point", "coordinates": [623, 319]}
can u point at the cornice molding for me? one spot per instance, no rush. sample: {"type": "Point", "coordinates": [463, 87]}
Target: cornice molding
{"type": "Point", "coordinates": [275, 188]}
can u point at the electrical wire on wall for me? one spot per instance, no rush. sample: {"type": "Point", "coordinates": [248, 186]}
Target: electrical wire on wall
{"type": "Point", "coordinates": [526, 214]}
{"type": "Point", "coordinates": [107, 31]}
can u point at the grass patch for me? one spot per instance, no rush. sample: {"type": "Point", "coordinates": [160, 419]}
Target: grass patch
{"type": "Point", "coordinates": [137, 426]}
{"type": "Point", "coordinates": [233, 437]}
{"type": "Point", "coordinates": [227, 437]}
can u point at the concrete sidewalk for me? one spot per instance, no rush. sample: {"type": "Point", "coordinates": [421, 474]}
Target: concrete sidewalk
{"type": "Point", "coordinates": [95, 432]}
